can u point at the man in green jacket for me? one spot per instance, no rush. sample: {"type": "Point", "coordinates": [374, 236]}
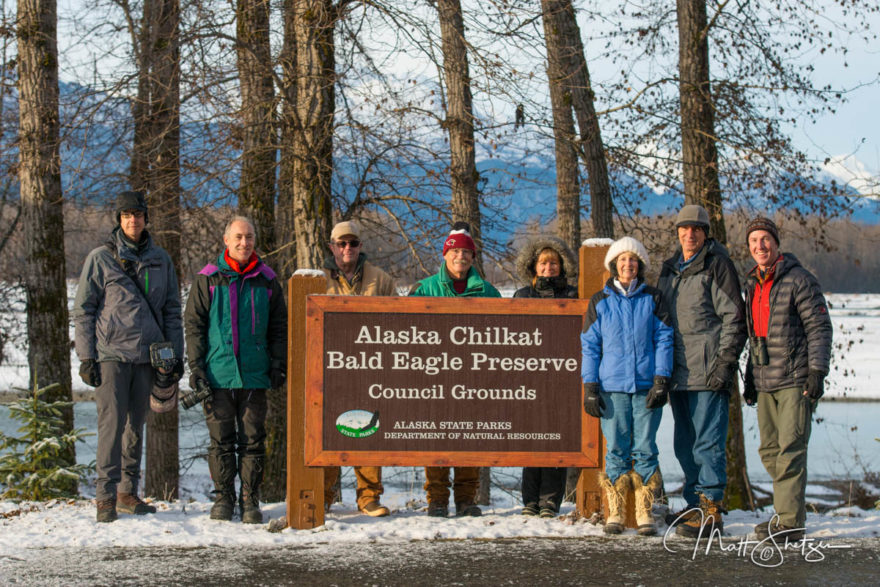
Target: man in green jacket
{"type": "Point", "coordinates": [456, 278]}
{"type": "Point", "coordinates": [236, 338]}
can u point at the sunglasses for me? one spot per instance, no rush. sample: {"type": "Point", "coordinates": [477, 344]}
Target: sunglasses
{"type": "Point", "coordinates": [353, 244]}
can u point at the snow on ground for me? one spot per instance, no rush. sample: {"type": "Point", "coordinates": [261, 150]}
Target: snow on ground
{"type": "Point", "coordinates": [72, 524]}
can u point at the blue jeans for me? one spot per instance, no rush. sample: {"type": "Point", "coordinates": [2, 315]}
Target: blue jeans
{"type": "Point", "coordinates": [630, 431]}
{"type": "Point", "coordinates": [700, 442]}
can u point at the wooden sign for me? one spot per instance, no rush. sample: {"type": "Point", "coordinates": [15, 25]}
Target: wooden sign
{"type": "Point", "coordinates": [446, 381]}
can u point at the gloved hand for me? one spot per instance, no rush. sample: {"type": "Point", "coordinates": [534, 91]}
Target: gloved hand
{"type": "Point", "coordinates": [277, 376]}
{"type": "Point", "coordinates": [721, 376]}
{"type": "Point", "coordinates": [177, 371]}
{"type": "Point", "coordinates": [90, 372]}
{"type": "Point", "coordinates": [196, 374]}
{"type": "Point", "coordinates": [750, 392]}
{"type": "Point", "coordinates": [593, 403]}
{"type": "Point", "coordinates": [166, 379]}
{"type": "Point", "coordinates": [815, 387]}
{"type": "Point", "coordinates": [658, 394]}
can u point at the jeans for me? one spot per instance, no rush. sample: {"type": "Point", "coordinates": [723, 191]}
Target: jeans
{"type": "Point", "coordinates": [700, 442]}
{"type": "Point", "coordinates": [630, 431]}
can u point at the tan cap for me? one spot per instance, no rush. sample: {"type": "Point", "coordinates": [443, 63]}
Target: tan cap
{"type": "Point", "coordinates": [344, 229]}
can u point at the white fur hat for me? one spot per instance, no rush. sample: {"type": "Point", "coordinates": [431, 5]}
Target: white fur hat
{"type": "Point", "coordinates": [626, 244]}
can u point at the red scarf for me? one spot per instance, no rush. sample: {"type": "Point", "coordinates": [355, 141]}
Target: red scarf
{"type": "Point", "coordinates": [236, 266]}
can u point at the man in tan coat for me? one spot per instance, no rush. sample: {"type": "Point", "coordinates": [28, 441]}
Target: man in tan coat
{"type": "Point", "coordinates": [350, 274]}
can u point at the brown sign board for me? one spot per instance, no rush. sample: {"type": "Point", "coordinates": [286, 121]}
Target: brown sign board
{"type": "Point", "coordinates": [446, 381]}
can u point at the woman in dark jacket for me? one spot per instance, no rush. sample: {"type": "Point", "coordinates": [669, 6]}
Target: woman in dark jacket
{"type": "Point", "coordinates": [549, 267]}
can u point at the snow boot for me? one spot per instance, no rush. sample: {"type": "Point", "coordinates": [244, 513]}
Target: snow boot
{"type": "Point", "coordinates": [780, 532]}
{"type": "Point", "coordinates": [130, 503]}
{"type": "Point", "coordinates": [615, 496]}
{"type": "Point", "coordinates": [106, 511]}
{"type": "Point", "coordinates": [682, 515]}
{"type": "Point", "coordinates": [530, 509]}
{"type": "Point", "coordinates": [222, 469]}
{"type": "Point", "coordinates": [705, 523]}
{"type": "Point", "coordinates": [645, 494]}
{"type": "Point", "coordinates": [251, 472]}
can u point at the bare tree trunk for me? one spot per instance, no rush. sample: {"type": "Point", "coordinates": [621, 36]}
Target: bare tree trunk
{"type": "Point", "coordinates": [41, 200]}
{"type": "Point", "coordinates": [460, 121]}
{"type": "Point", "coordinates": [568, 197]}
{"type": "Point", "coordinates": [702, 186]}
{"type": "Point", "coordinates": [285, 230]}
{"type": "Point", "coordinates": [162, 476]}
{"type": "Point", "coordinates": [309, 143]}
{"type": "Point", "coordinates": [582, 99]}
{"type": "Point", "coordinates": [256, 194]}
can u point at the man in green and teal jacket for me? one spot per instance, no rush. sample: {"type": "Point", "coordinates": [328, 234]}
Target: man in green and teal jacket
{"type": "Point", "coordinates": [236, 338]}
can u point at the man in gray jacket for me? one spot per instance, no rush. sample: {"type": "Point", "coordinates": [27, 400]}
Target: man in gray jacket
{"type": "Point", "coordinates": [790, 353]}
{"type": "Point", "coordinates": [127, 299]}
{"type": "Point", "coordinates": [701, 288]}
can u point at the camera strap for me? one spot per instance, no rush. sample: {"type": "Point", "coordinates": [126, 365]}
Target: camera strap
{"type": "Point", "coordinates": [138, 286]}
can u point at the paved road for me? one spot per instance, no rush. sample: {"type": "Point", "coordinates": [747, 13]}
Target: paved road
{"type": "Point", "coordinates": [619, 561]}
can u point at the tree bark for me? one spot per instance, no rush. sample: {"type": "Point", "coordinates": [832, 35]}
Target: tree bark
{"type": "Point", "coordinates": [591, 147]}
{"type": "Point", "coordinates": [285, 229]}
{"type": "Point", "coordinates": [568, 196]}
{"type": "Point", "coordinates": [162, 476]}
{"type": "Point", "coordinates": [256, 194]}
{"type": "Point", "coordinates": [459, 121]}
{"type": "Point", "coordinates": [310, 146]}
{"type": "Point", "coordinates": [702, 186]}
{"type": "Point", "coordinates": [42, 203]}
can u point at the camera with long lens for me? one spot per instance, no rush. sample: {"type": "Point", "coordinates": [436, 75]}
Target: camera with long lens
{"type": "Point", "coordinates": [760, 358]}
{"type": "Point", "coordinates": [196, 396]}
{"type": "Point", "coordinates": [163, 397]}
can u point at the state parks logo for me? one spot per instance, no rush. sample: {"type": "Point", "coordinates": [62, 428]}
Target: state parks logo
{"type": "Point", "coordinates": [358, 423]}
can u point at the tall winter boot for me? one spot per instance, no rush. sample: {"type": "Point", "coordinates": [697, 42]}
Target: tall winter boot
{"type": "Point", "coordinates": [251, 473]}
{"type": "Point", "coordinates": [706, 523]}
{"type": "Point", "coordinates": [615, 496]}
{"type": "Point", "coordinates": [222, 469]}
{"type": "Point", "coordinates": [645, 493]}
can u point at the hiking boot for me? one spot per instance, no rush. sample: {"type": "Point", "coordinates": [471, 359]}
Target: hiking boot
{"type": "Point", "coordinates": [467, 509]}
{"type": "Point", "coordinates": [682, 515]}
{"type": "Point", "coordinates": [780, 531]}
{"type": "Point", "coordinates": [106, 511]}
{"type": "Point", "coordinates": [615, 496]}
{"type": "Point", "coordinates": [644, 494]}
{"type": "Point", "coordinates": [530, 509]}
{"type": "Point", "coordinates": [375, 509]}
{"type": "Point", "coordinates": [705, 523]}
{"type": "Point", "coordinates": [224, 505]}
{"type": "Point", "coordinates": [129, 503]}
{"type": "Point", "coordinates": [249, 504]}
{"type": "Point", "coordinates": [548, 512]}
{"type": "Point", "coordinates": [438, 510]}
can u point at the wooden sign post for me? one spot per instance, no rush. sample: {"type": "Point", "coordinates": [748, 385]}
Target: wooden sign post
{"type": "Point", "coordinates": [305, 485]}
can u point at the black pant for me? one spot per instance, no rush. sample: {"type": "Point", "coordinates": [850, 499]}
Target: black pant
{"type": "Point", "coordinates": [544, 486]}
{"type": "Point", "coordinates": [236, 420]}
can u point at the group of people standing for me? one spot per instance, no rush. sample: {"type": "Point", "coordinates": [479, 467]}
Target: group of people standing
{"type": "Point", "coordinates": [680, 342]}
{"type": "Point", "coordinates": [642, 346]}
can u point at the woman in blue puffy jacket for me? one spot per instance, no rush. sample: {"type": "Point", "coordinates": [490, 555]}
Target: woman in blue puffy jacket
{"type": "Point", "coordinates": [627, 362]}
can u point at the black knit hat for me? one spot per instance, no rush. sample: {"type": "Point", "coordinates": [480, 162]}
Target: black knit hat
{"type": "Point", "coordinates": [131, 201]}
{"type": "Point", "coordinates": [761, 223]}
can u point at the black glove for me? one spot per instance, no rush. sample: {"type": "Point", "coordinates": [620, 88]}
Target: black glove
{"type": "Point", "coordinates": [815, 387]}
{"type": "Point", "coordinates": [593, 403]}
{"type": "Point", "coordinates": [277, 376]}
{"type": "Point", "coordinates": [750, 392]}
{"type": "Point", "coordinates": [721, 376]}
{"type": "Point", "coordinates": [658, 394]}
{"type": "Point", "coordinates": [195, 374]}
{"type": "Point", "coordinates": [166, 380]}
{"type": "Point", "coordinates": [90, 372]}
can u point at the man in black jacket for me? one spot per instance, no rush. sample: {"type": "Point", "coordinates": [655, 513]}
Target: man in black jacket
{"type": "Point", "coordinates": [790, 340]}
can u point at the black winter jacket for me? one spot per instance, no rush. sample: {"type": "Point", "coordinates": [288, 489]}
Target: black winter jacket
{"type": "Point", "coordinates": [799, 332]}
{"type": "Point", "coordinates": [568, 291]}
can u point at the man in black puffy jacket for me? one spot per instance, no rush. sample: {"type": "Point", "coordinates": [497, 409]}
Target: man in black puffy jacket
{"type": "Point", "coordinates": [790, 340]}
